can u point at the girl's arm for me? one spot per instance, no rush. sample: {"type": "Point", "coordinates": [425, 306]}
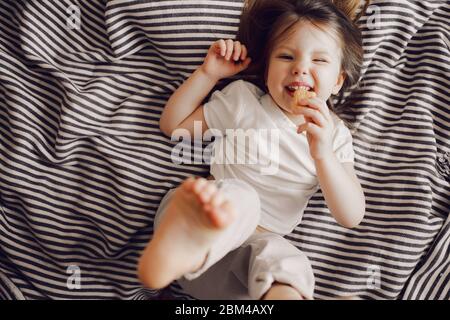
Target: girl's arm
{"type": "Point", "coordinates": [224, 59]}
{"type": "Point", "coordinates": [338, 181]}
{"type": "Point", "coordinates": [342, 190]}
{"type": "Point", "coordinates": [184, 107]}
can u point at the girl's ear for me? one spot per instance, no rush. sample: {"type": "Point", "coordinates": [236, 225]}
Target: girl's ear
{"type": "Point", "coordinates": [339, 83]}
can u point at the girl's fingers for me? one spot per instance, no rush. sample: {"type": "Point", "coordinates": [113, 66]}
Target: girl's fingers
{"type": "Point", "coordinates": [302, 127]}
{"type": "Point", "coordinates": [237, 50]}
{"type": "Point", "coordinates": [243, 65]}
{"type": "Point", "coordinates": [230, 47]}
{"type": "Point", "coordinates": [310, 128]}
{"type": "Point", "coordinates": [315, 115]}
{"type": "Point", "coordinates": [246, 63]}
{"type": "Point", "coordinates": [244, 52]}
{"type": "Point", "coordinates": [220, 47]}
{"type": "Point", "coordinates": [320, 105]}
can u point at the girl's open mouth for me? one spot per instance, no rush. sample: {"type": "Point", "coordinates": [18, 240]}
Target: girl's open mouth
{"type": "Point", "coordinates": [291, 89]}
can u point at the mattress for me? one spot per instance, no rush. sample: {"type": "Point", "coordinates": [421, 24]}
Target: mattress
{"type": "Point", "coordinates": [84, 166]}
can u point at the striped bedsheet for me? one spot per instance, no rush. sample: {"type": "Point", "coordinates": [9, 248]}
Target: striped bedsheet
{"type": "Point", "coordinates": [83, 165]}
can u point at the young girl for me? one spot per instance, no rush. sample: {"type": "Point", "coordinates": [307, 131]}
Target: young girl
{"type": "Point", "coordinates": [225, 235]}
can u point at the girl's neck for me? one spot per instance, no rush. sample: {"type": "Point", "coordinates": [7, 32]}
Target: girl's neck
{"type": "Point", "coordinates": [296, 119]}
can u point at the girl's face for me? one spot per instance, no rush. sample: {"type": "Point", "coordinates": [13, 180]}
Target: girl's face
{"type": "Point", "coordinates": [308, 57]}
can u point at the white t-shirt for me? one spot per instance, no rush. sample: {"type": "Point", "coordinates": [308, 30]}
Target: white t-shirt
{"type": "Point", "coordinates": [267, 152]}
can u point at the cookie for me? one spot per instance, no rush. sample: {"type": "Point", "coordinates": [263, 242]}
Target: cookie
{"type": "Point", "coordinates": [301, 94]}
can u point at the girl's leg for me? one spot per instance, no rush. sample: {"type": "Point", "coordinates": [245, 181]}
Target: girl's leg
{"type": "Point", "coordinates": [278, 269]}
{"type": "Point", "coordinates": [281, 291]}
{"type": "Point", "coordinates": [266, 266]}
{"type": "Point", "coordinates": [192, 231]}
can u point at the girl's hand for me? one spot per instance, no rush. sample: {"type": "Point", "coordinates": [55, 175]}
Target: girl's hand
{"type": "Point", "coordinates": [319, 127]}
{"type": "Point", "coordinates": [225, 58]}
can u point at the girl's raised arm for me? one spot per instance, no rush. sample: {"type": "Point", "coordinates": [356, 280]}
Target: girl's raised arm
{"type": "Point", "coordinates": [225, 58]}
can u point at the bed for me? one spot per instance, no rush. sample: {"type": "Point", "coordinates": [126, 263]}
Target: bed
{"type": "Point", "coordinates": [83, 164]}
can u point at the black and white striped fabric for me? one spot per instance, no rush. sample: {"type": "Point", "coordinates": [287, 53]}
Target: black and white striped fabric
{"type": "Point", "coordinates": [83, 165]}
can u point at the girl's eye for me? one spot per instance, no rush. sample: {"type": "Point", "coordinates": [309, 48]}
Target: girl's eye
{"type": "Point", "coordinates": [320, 60]}
{"type": "Point", "coordinates": [285, 57]}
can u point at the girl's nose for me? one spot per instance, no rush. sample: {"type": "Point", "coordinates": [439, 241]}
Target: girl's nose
{"type": "Point", "coordinates": [300, 68]}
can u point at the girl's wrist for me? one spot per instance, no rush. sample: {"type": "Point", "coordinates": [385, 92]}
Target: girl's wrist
{"type": "Point", "coordinates": [211, 78]}
{"type": "Point", "coordinates": [326, 158]}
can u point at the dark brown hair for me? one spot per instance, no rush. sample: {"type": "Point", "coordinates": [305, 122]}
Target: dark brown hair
{"type": "Point", "coordinates": [264, 22]}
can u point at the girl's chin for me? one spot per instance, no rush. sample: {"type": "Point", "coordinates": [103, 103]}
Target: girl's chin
{"type": "Point", "coordinates": [286, 110]}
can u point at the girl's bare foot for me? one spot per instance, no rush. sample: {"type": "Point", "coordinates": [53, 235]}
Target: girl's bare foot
{"type": "Point", "coordinates": [195, 217]}
{"type": "Point", "coordinates": [280, 291]}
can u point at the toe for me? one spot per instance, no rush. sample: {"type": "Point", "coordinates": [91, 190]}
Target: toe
{"type": "Point", "coordinates": [223, 215]}
{"type": "Point", "coordinates": [199, 184]}
{"type": "Point", "coordinates": [217, 199]}
{"type": "Point", "coordinates": [207, 192]}
{"type": "Point", "coordinates": [188, 184]}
